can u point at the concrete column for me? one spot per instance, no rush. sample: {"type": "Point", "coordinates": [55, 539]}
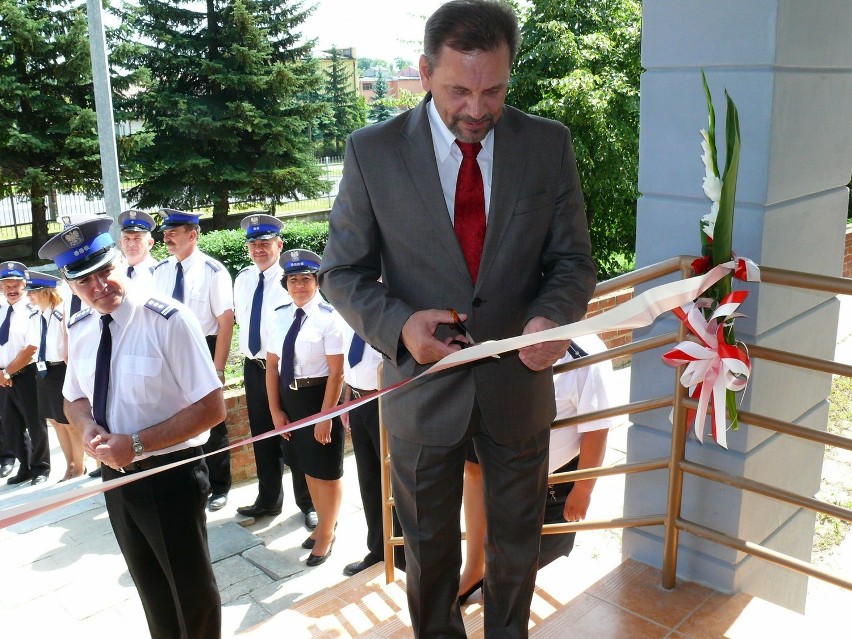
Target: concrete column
{"type": "Point", "coordinates": [788, 66]}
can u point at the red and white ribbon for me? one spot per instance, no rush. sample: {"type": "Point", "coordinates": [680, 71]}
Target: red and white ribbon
{"type": "Point", "coordinates": [637, 312]}
{"type": "Point", "coordinates": [712, 365]}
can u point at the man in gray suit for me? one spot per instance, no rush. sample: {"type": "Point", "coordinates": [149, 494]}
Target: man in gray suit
{"type": "Point", "coordinates": [398, 215]}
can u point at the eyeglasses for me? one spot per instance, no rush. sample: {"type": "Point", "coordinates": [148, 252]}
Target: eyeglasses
{"type": "Point", "coordinates": [459, 326]}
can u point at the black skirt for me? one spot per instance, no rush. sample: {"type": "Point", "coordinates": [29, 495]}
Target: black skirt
{"type": "Point", "coordinates": [49, 388]}
{"type": "Point", "coordinates": [302, 451]}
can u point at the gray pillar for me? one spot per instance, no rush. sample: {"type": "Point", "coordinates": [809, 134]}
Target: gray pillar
{"type": "Point", "coordinates": [103, 107]}
{"type": "Point", "coordinates": [788, 66]}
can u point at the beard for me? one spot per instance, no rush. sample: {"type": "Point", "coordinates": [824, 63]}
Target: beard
{"type": "Point", "coordinates": [486, 122]}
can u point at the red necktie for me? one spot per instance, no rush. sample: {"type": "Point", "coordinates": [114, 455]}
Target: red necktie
{"type": "Point", "coordinates": [469, 216]}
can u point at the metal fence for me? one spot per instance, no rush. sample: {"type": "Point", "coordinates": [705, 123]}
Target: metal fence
{"type": "Point", "coordinates": [16, 212]}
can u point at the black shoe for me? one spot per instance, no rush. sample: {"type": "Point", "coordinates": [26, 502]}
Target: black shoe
{"type": "Point", "coordinates": [216, 502]}
{"type": "Point", "coordinates": [20, 478]}
{"type": "Point", "coordinates": [259, 511]}
{"type": "Point", "coordinates": [357, 566]}
{"type": "Point", "coordinates": [311, 519]}
{"type": "Point", "coordinates": [96, 472]}
{"type": "Point", "coordinates": [309, 543]}
{"type": "Point", "coordinates": [316, 560]}
{"type": "Point", "coordinates": [6, 469]}
{"type": "Point", "coordinates": [466, 595]}
{"type": "Point", "coordinates": [38, 479]}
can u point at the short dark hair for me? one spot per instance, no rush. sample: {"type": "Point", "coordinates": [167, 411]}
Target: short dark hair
{"type": "Point", "coordinates": [471, 25]}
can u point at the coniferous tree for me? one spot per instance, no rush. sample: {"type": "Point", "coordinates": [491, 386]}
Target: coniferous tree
{"type": "Point", "coordinates": [48, 126]}
{"type": "Point", "coordinates": [347, 109]}
{"type": "Point", "coordinates": [379, 109]}
{"type": "Point", "coordinates": [222, 89]}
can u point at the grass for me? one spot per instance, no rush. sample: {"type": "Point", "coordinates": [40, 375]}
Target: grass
{"type": "Point", "coordinates": [835, 488]}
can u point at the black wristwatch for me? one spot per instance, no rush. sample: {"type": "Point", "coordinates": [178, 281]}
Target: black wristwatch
{"type": "Point", "coordinates": [138, 446]}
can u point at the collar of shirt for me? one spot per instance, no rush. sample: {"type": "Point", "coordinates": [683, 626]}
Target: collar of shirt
{"type": "Point", "coordinates": [449, 158]}
{"type": "Point", "coordinates": [271, 275]}
{"type": "Point", "coordinates": [191, 260]}
{"type": "Point", "coordinates": [310, 306]}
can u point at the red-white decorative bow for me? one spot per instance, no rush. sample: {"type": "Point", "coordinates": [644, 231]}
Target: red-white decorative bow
{"type": "Point", "coordinates": [712, 365]}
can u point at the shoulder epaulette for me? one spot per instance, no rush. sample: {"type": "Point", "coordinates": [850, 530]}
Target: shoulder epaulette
{"type": "Point", "coordinates": [243, 270]}
{"type": "Point", "coordinates": [163, 309]}
{"type": "Point", "coordinates": [33, 310]}
{"type": "Point", "coordinates": [284, 306]}
{"type": "Point", "coordinates": [159, 264]}
{"type": "Point", "coordinates": [57, 314]}
{"type": "Point", "coordinates": [213, 264]}
{"type": "Point", "coordinates": [328, 308]}
{"type": "Point", "coordinates": [79, 315]}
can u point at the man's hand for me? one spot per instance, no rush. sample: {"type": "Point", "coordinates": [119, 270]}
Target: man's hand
{"type": "Point", "coordinates": [418, 335]}
{"type": "Point", "coordinates": [116, 451]}
{"type": "Point", "coordinates": [540, 356]}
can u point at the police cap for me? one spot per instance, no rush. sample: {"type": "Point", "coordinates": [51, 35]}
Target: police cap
{"type": "Point", "coordinates": [261, 227]}
{"type": "Point", "coordinates": [12, 271]}
{"type": "Point", "coordinates": [135, 220]}
{"type": "Point", "coordinates": [37, 280]}
{"type": "Point", "coordinates": [299, 261]}
{"type": "Point", "coordinates": [81, 249]}
{"type": "Point", "coordinates": [173, 218]}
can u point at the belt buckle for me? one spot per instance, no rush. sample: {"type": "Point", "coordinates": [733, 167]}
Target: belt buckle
{"type": "Point", "coordinates": [295, 384]}
{"type": "Point", "coordinates": [356, 394]}
{"type": "Point", "coordinates": [261, 363]}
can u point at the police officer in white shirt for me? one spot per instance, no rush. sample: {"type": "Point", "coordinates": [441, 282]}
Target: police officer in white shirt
{"type": "Point", "coordinates": [142, 391]}
{"type": "Point", "coordinates": [136, 243]}
{"type": "Point", "coordinates": [204, 285]}
{"type": "Point", "coordinates": [360, 373]}
{"type": "Point", "coordinates": [257, 293]}
{"type": "Point", "coordinates": [24, 434]}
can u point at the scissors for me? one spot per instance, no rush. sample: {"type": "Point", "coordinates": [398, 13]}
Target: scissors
{"type": "Point", "coordinates": [459, 326]}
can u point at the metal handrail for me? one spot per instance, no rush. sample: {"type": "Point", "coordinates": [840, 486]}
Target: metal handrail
{"type": "Point", "coordinates": [676, 463]}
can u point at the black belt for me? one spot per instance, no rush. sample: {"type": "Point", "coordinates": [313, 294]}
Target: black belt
{"type": "Point", "coordinates": [358, 393]}
{"type": "Point", "coordinates": [155, 461]}
{"type": "Point", "coordinates": [304, 382]}
{"type": "Point", "coordinates": [23, 369]}
{"type": "Point", "coordinates": [257, 362]}
{"type": "Point", "coordinates": [51, 364]}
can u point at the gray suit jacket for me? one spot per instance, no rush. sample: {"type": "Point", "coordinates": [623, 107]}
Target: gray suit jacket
{"type": "Point", "coordinates": [390, 219]}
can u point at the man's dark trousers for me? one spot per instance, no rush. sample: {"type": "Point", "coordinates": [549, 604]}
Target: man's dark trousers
{"type": "Point", "coordinates": [268, 454]}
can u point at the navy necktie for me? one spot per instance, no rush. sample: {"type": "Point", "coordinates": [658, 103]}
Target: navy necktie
{"type": "Point", "coordinates": [102, 365]}
{"type": "Point", "coordinates": [356, 350]}
{"type": "Point", "coordinates": [130, 272]}
{"type": "Point", "coordinates": [4, 327]}
{"type": "Point", "coordinates": [76, 303]}
{"type": "Point", "coordinates": [288, 351]}
{"type": "Point", "coordinates": [254, 321]}
{"type": "Point", "coordinates": [42, 346]}
{"type": "Point", "coordinates": [469, 214]}
{"type": "Point", "coordinates": [177, 293]}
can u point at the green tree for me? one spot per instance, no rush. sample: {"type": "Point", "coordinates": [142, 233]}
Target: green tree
{"type": "Point", "coordinates": [580, 64]}
{"type": "Point", "coordinates": [401, 63]}
{"type": "Point", "coordinates": [348, 110]}
{"type": "Point", "coordinates": [47, 119]}
{"type": "Point", "coordinates": [366, 63]}
{"type": "Point", "coordinates": [223, 90]}
{"type": "Point", "coordinates": [379, 109]}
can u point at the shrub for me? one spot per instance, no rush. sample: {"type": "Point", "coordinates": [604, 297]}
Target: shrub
{"type": "Point", "coordinates": [229, 247]}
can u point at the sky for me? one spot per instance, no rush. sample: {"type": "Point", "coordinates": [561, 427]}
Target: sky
{"type": "Point", "coordinates": [383, 29]}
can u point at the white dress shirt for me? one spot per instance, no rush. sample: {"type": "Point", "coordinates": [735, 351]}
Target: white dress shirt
{"type": "Point", "coordinates": [207, 289]}
{"type": "Point", "coordinates": [579, 391]}
{"type": "Point", "coordinates": [449, 158]}
{"type": "Point", "coordinates": [160, 365]}
{"type": "Point", "coordinates": [365, 374]}
{"type": "Point", "coordinates": [274, 295]}
{"type": "Point", "coordinates": [319, 336]}
{"type": "Point", "coordinates": [55, 347]}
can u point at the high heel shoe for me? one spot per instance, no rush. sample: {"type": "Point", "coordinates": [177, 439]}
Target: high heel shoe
{"type": "Point", "coordinates": [467, 593]}
{"type": "Point", "coordinates": [308, 544]}
{"type": "Point", "coordinates": [316, 560]}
